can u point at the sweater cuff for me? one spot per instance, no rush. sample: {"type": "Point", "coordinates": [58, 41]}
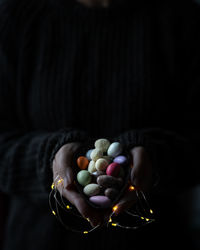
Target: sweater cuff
{"type": "Point", "coordinates": [49, 149]}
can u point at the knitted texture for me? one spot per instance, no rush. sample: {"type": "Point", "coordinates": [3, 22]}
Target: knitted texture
{"type": "Point", "coordinates": [69, 73]}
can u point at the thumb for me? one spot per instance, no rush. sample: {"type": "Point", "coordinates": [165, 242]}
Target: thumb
{"type": "Point", "coordinates": [141, 173]}
{"type": "Point", "coordinates": [67, 160]}
{"type": "Point", "coordinates": [69, 177]}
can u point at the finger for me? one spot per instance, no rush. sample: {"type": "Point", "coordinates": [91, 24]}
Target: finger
{"type": "Point", "coordinates": [141, 173]}
{"type": "Point", "coordinates": [64, 168]}
{"type": "Point", "coordinates": [63, 171]}
{"type": "Point", "coordinates": [84, 209]}
{"type": "Point", "coordinates": [137, 175]}
{"type": "Point", "coordinates": [68, 164]}
{"type": "Point", "coordinates": [69, 177]}
{"type": "Point", "coordinates": [63, 162]}
{"type": "Point", "coordinates": [138, 168]}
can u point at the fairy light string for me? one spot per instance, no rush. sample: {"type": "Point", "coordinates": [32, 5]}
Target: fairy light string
{"type": "Point", "coordinates": [144, 213]}
{"type": "Point", "coordinates": [67, 207]}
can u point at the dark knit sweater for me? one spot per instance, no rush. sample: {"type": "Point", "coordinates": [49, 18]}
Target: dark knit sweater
{"type": "Point", "coordinates": [69, 73]}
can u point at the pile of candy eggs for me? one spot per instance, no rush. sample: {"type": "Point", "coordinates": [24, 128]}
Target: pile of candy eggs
{"type": "Point", "coordinates": [102, 173]}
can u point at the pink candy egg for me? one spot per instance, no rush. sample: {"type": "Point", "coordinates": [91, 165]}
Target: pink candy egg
{"type": "Point", "coordinates": [113, 169]}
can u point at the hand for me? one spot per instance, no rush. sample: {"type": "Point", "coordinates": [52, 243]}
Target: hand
{"type": "Point", "coordinates": [141, 177]}
{"type": "Point", "coordinates": [62, 166]}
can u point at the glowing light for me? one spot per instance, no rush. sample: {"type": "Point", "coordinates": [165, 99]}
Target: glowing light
{"type": "Point", "coordinates": [115, 208]}
{"type": "Point", "coordinates": [151, 211]}
{"type": "Point", "coordinates": [114, 224]}
{"type": "Point", "coordinates": [58, 203]}
{"type": "Point", "coordinates": [131, 188]}
{"type": "Point", "coordinates": [60, 181]}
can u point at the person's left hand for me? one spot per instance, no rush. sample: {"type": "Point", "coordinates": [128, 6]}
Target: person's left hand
{"type": "Point", "coordinates": [141, 177]}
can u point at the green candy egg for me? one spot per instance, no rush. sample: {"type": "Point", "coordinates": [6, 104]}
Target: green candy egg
{"type": "Point", "coordinates": [84, 177]}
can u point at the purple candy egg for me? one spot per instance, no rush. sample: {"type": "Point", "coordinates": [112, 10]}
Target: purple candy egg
{"type": "Point", "coordinates": [121, 159]}
{"type": "Point", "coordinates": [101, 201]}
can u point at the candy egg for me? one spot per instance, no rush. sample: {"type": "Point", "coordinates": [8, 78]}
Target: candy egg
{"type": "Point", "coordinates": [84, 177]}
{"type": "Point", "coordinates": [96, 154]}
{"type": "Point", "coordinates": [101, 164]}
{"type": "Point", "coordinates": [107, 158]}
{"type": "Point", "coordinates": [109, 181]}
{"type": "Point", "coordinates": [113, 169]}
{"type": "Point", "coordinates": [92, 189]}
{"type": "Point", "coordinates": [115, 149]}
{"type": "Point", "coordinates": [96, 174]}
{"type": "Point", "coordinates": [82, 162]}
{"type": "Point", "coordinates": [111, 193]}
{"type": "Point", "coordinates": [88, 154]}
{"type": "Point", "coordinates": [102, 144]}
{"type": "Point", "coordinates": [121, 159]}
{"type": "Point", "coordinates": [91, 167]}
{"type": "Point", "coordinates": [101, 201]}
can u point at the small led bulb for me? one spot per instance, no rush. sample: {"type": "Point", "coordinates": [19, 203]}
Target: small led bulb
{"type": "Point", "coordinates": [131, 188]}
{"type": "Point", "coordinates": [151, 211]}
{"type": "Point", "coordinates": [115, 208]}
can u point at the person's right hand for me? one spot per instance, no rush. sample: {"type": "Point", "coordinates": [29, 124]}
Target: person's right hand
{"type": "Point", "coordinates": [63, 167]}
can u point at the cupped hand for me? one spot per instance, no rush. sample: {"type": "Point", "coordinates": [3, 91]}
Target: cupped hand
{"type": "Point", "coordinates": [63, 167]}
{"type": "Point", "coordinates": [140, 178]}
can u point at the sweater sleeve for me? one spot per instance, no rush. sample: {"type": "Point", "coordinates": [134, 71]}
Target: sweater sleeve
{"type": "Point", "coordinates": [174, 155]}
{"type": "Point", "coordinates": [25, 154]}
{"type": "Point", "coordinates": [174, 149]}
{"type": "Point", "coordinates": [26, 157]}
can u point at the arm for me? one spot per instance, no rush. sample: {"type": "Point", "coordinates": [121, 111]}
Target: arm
{"type": "Point", "coordinates": [173, 155]}
{"type": "Point", "coordinates": [174, 146]}
{"type": "Point", "coordinates": [25, 154]}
